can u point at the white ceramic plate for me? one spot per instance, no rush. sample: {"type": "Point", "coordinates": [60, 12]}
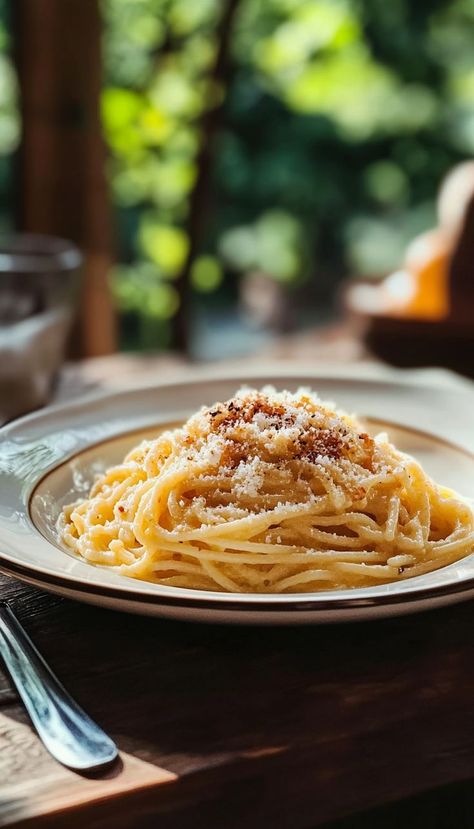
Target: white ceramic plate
{"type": "Point", "coordinates": [47, 458]}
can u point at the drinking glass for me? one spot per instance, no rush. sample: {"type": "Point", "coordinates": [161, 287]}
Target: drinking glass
{"type": "Point", "coordinates": [39, 280]}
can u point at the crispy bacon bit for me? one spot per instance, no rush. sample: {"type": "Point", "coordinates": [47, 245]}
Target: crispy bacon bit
{"type": "Point", "coordinates": [321, 442]}
{"type": "Point", "coordinates": [311, 432]}
{"type": "Point", "coordinates": [232, 413]}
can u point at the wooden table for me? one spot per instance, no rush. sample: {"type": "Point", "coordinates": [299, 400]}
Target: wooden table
{"type": "Point", "coordinates": [231, 727]}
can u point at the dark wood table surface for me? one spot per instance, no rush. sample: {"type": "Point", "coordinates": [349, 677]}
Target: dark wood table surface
{"type": "Point", "coordinates": [237, 726]}
{"type": "Point", "coordinates": [280, 727]}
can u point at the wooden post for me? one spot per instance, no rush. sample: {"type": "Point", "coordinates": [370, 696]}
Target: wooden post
{"type": "Point", "coordinates": [461, 272]}
{"type": "Point", "coordinates": [62, 177]}
{"type": "Point", "coordinates": [198, 207]}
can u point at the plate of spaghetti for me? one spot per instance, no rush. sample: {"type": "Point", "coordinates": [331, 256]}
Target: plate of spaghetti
{"type": "Point", "coordinates": [246, 499]}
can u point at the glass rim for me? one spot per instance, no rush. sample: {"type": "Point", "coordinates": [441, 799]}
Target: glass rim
{"type": "Point", "coordinates": [35, 253]}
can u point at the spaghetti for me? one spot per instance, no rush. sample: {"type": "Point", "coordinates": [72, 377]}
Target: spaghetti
{"type": "Point", "coordinates": [269, 492]}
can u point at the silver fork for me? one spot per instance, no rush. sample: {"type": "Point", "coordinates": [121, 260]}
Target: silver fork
{"type": "Point", "coordinates": [66, 730]}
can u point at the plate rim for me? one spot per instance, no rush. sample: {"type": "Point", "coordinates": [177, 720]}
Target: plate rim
{"type": "Point", "coordinates": [197, 376]}
{"type": "Point", "coordinates": [310, 604]}
{"type": "Point", "coordinates": [234, 602]}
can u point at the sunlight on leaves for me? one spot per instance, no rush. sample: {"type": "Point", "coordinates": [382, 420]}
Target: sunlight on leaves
{"type": "Point", "coordinates": [386, 182]}
{"type": "Point", "coordinates": [206, 273]}
{"type": "Point", "coordinates": [167, 246]}
{"type": "Point", "coordinates": [313, 27]}
{"type": "Point", "coordinates": [141, 288]}
{"type": "Point", "coordinates": [273, 245]}
{"type": "Point", "coordinates": [9, 116]}
{"type": "Point", "coordinates": [339, 119]}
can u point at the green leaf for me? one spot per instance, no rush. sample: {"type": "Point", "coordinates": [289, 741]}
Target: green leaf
{"type": "Point", "coordinates": [206, 273]}
{"type": "Point", "coordinates": [166, 245]}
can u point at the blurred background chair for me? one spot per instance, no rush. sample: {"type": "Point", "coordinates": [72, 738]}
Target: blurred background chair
{"type": "Point", "coordinates": [423, 314]}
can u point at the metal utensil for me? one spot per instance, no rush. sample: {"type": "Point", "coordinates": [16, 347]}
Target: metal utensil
{"type": "Point", "coordinates": [65, 729]}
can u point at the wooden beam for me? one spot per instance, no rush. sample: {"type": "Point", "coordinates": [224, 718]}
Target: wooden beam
{"type": "Point", "coordinates": [63, 188]}
{"type": "Point", "coordinates": [199, 201]}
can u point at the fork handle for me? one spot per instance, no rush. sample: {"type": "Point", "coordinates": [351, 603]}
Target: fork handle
{"type": "Point", "coordinates": [66, 730]}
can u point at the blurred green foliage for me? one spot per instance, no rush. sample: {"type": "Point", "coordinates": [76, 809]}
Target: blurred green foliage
{"type": "Point", "coordinates": [339, 119]}
{"type": "Point", "coordinates": [9, 119]}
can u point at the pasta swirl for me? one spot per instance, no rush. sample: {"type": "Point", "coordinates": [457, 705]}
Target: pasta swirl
{"type": "Point", "coordinates": [269, 493]}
